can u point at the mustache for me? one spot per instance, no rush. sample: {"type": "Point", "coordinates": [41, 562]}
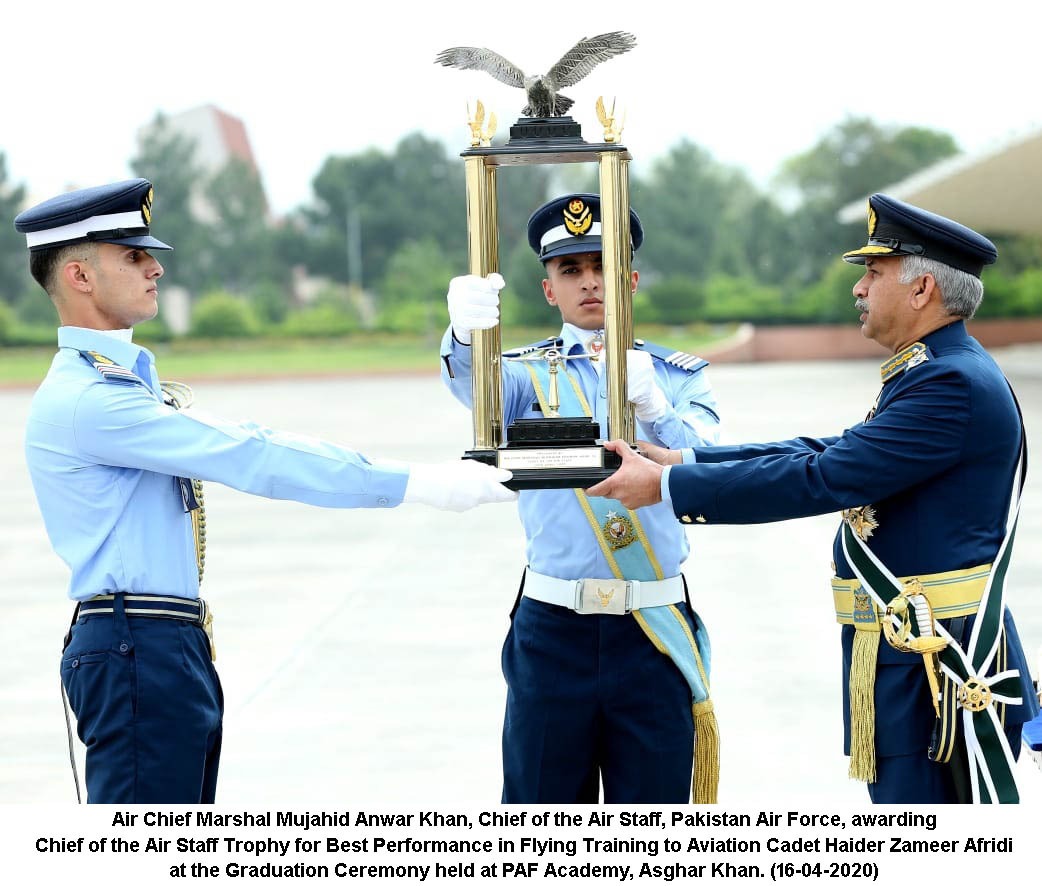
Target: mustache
{"type": "Point", "coordinates": [861, 305]}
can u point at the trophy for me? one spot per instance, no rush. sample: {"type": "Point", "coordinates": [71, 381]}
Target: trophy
{"type": "Point", "coordinates": [554, 451]}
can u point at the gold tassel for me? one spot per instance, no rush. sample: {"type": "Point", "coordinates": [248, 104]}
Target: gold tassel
{"type": "Point", "coordinates": [706, 776]}
{"type": "Point", "coordinates": [863, 706]}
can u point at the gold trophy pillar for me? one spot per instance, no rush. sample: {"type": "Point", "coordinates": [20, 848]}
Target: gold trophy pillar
{"type": "Point", "coordinates": [486, 344]}
{"type": "Point", "coordinates": [616, 257]}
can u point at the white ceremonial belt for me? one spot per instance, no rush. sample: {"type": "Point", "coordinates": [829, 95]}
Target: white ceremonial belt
{"type": "Point", "coordinates": [603, 596]}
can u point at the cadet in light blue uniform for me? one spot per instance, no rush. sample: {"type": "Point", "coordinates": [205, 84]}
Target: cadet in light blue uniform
{"type": "Point", "coordinates": [115, 465]}
{"type": "Point", "coordinates": [933, 713]}
{"type": "Point", "coordinates": [590, 697]}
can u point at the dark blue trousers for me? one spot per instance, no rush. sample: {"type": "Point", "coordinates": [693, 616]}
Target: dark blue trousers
{"type": "Point", "coordinates": [590, 699]}
{"type": "Point", "coordinates": [148, 707]}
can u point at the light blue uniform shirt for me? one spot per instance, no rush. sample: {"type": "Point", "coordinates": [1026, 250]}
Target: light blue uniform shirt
{"type": "Point", "coordinates": [560, 540]}
{"type": "Point", "coordinates": [104, 457]}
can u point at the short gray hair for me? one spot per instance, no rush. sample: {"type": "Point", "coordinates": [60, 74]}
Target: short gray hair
{"type": "Point", "coordinates": [961, 293]}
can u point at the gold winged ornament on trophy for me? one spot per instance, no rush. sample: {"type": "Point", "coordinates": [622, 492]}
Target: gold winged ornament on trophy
{"type": "Point", "coordinates": [612, 129]}
{"type": "Point", "coordinates": [480, 135]}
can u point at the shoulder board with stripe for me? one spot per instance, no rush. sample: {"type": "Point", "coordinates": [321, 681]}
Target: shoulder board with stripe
{"type": "Point", "coordinates": [907, 358]}
{"type": "Point", "coordinates": [109, 370]}
{"type": "Point", "coordinates": [538, 346]}
{"type": "Point", "coordinates": [680, 359]}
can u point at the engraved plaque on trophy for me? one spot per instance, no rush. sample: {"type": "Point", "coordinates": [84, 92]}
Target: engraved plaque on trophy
{"type": "Point", "coordinates": [553, 451]}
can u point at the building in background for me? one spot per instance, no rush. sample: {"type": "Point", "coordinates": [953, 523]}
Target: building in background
{"type": "Point", "coordinates": [219, 137]}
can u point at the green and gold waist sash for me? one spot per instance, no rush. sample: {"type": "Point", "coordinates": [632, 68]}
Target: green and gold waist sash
{"type": "Point", "coordinates": [907, 611]}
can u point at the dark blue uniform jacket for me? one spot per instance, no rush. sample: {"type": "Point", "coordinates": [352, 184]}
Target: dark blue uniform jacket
{"type": "Point", "coordinates": [936, 461]}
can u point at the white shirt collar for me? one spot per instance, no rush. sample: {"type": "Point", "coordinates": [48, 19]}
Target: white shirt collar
{"type": "Point", "coordinates": [126, 335]}
{"type": "Point", "coordinates": [572, 334]}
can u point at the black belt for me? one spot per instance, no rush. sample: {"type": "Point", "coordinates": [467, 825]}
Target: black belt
{"type": "Point", "coordinates": [154, 606]}
{"type": "Point", "coordinates": [150, 606]}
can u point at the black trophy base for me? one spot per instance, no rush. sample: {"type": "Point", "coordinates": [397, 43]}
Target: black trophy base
{"type": "Point", "coordinates": [531, 131]}
{"type": "Point", "coordinates": [551, 453]}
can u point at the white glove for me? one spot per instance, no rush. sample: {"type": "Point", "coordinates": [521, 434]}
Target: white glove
{"type": "Point", "coordinates": [457, 485]}
{"type": "Point", "coordinates": [646, 396]}
{"type": "Point", "coordinates": [473, 304]}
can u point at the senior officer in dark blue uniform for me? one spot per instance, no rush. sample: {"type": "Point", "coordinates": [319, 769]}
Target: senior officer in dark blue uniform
{"type": "Point", "coordinates": [933, 713]}
{"type": "Point", "coordinates": [591, 696]}
{"type": "Point", "coordinates": [111, 454]}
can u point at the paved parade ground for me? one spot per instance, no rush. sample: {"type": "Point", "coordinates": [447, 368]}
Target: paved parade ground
{"type": "Point", "coordinates": [359, 650]}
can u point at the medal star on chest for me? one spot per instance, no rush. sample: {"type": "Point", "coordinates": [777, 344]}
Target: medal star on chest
{"type": "Point", "coordinates": [618, 530]}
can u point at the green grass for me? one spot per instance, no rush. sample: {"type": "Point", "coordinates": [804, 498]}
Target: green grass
{"type": "Point", "coordinates": [279, 357]}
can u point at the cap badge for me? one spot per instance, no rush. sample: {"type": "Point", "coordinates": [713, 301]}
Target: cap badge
{"type": "Point", "coordinates": [146, 206]}
{"type": "Point", "coordinates": [577, 218]}
{"type": "Point", "coordinates": [871, 220]}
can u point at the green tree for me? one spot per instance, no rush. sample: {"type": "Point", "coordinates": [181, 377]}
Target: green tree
{"type": "Point", "coordinates": [859, 156]}
{"type": "Point", "coordinates": [851, 161]}
{"type": "Point", "coordinates": [368, 205]}
{"type": "Point", "coordinates": [13, 262]}
{"type": "Point", "coordinates": [325, 318]}
{"type": "Point", "coordinates": [830, 299]}
{"type": "Point", "coordinates": [270, 301]}
{"type": "Point", "coordinates": [522, 301]}
{"type": "Point", "coordinates": [241, 240]}
{"type": "Point", "coordinates": [676, 300]}
{"type": "Point", "coordinates": [6, 323]}
{"type": "Point", "coordinates": [702, 218]}
{"type": "Point", "coordinates": [412, 292]}
{"type": "Point", "coordinates": [729, 299]}
{"type": "Point", "coordinates": [223, 315]}
{"type": "Point", "coordinates": [520, 191]}
{"type": "Point", "coordinates": [34, 308]}
{"type": "Point", "coordinates": [167, 159]}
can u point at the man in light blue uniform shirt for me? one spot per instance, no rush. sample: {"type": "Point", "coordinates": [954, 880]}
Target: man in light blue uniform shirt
{"type": "Point", "coordinates": [590, 698]}
{"type": "Point", "coordinates": [113, 460]}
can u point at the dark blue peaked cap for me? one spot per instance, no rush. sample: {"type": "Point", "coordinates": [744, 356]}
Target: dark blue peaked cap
{"type": "Point", "coordinates": [116, 213]}
{"type": "Point", "coordinates": [572, 224]}
{"type": "Point", "coordinates": [896, 228]}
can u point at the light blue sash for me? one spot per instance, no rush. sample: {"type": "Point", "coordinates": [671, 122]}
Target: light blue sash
{"type": "Point", "coordinates": [628, 551]}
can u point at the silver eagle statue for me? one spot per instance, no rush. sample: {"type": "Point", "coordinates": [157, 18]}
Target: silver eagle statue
{"type": "Point", "coordinates": [543, 98]}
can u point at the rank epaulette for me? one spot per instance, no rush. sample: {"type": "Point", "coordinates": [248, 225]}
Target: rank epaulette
{"type": "Point", "coordinates": [109, 370]}
{"type": "Point", "coordinates": [904, 360]}
{"type": "Point", "coordinates": [680, 359]}
{"type": "Point", "coordinates": [538, 346]}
